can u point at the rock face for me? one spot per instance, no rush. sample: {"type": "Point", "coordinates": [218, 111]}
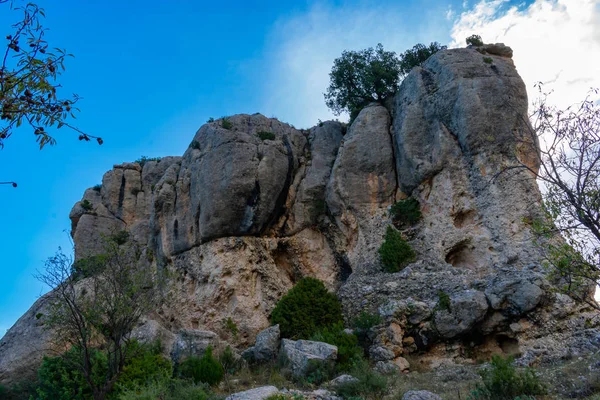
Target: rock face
{"type": "Point", "coordinates": [299, 355]}
{"type": "Point", "coordinates": [254, 204]}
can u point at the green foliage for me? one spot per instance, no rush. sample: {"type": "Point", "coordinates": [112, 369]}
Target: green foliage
{"type": "Point", "coordinates": [147, 366]}
{"type": "Point", "coordinates": [89, 266]}
{"type": "Point", "coordinates": [406, 212]}
{"type": "Point", "coordinates": [347, 344]}
{"type": "Point", "coordinates": [474, 40]}
{"type": "Point", "coordinates": [369, 384]}
{"type": "Point", "coordinates": [360, 77]}
{"type": "Point", "coordinates": [206, 369]}
{"type": "Point", "coordinates": [87, 205]}
{"type": "Point", "coordinates": [30, 79]}
{"type": "Point", "coordinates": [265, 135]}
{"type": "Point", "coordinates": [231, 327]}
{"type": "Point", "coordinates": [211, 119]}
{"type": "Point", "coordinates": [120, 237]}
{"type": "Point", "coordinates": [395, 252]}
{"type": "Point", "coordinates": [174, 389]}
{"type": "Point", "coordinates": [318, 372]}
{"type": "Point", "coordinates": [502, 381]}
{"type": "Point", "coordinates": [365, 321]}
{"type": "Point", "coordinates": [443, 301]}
{"type": "Point", "coordinates": [59, 380]}
{"type": "Point", "coordinates": [418, 55]}
{"type": "Point", "coordinates": [143, 160]}
{"type": "Point", "coordinates": [228, 361]}
{"type": "Point", "coordinates": [195, 145]}
{"type": "Point", "coordinates": [226, 124]}
{"type": "Point", "coordinates": [488, 60]}
{"type": "Point", "coordinates": [307, 308]}
{"type": "Point", "coordinates": [97, 187]}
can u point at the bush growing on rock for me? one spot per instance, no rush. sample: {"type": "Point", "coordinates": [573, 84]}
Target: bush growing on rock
{"type": "Point", "coordinates": [502, 381]}
{"type": "Point", "coordinates": [406, 212]}
{"type": "Point", "coordinates": [395, 252]}
{"type": "Point", "coordinates": [307, 308]}
{"type": "Point", "coordinates": [206, 369]}
{"type": "Point", "coordinates": [418, 55]}
{"type": "Point", "coordinates": [474, 40]}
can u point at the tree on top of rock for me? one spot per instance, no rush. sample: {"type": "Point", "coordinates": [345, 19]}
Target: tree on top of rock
{"type": "Point", "coordinates": [361, 77]}
{"type": "Point", "coordinates": [371, 75]}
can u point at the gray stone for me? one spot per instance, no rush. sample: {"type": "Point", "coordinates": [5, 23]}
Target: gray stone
{"type": "Point", "coordinates": [342, 380]}
{"type": "Point", "coordinates": [386, 367]}
{"type": "Point", "coordinates": [380, 353]}
{"type": "Point", "coordinates": [259, 393]}
{"type": "Point", "coordinates": [297, 355]}
{"type": "Point", "coordinates": [420, 395]}
{"type": "Point", "coordinates": [497, 49]}
{"type": "Point", "coordinates": [466, 309]}
{"type": "Point", "coordinates": [267, 344]}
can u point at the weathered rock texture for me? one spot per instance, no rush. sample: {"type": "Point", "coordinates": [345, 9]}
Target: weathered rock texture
{"type": "Point", "coordinates": [236, 220]}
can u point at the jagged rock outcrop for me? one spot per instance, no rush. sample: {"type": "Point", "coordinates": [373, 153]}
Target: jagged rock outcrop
{"type": "Point", "coordinates": [255, 204]}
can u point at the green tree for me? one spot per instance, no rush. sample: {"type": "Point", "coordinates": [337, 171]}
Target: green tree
{"type": "Point", "coordinates": [98, 312]}
{"type": "Point", "coordinates": [395, 252]}
{"type": "Point", "coordinates": [307, 308]}
{"type": "Point", "coordinates": [418, 55]}
{"type": "Point", "coordinates": [360, 77]}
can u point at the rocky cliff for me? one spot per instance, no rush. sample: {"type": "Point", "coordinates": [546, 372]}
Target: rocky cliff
{"type": "Point", "coordinates": [243, 214]}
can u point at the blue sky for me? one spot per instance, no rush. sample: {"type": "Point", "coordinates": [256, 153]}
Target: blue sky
{"type": "Point", "coordinates": [152, 72]}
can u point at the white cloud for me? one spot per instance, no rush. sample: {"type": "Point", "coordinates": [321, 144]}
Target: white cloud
{"type": "Point", "coordinates": [302, 49]}
{"type": "Point", "coordinates": [556, 42]}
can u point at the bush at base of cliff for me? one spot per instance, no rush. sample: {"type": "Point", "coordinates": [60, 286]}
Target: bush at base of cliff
{"type": "Point", "coordinates": [206, 369]}
{"type": "Point", "coordinates": [395, 252]}
{"type": "Point", "coordinates": [348, 349]}
{"type": "Point", "coordinates": [369, 383]}
{"type": "Point", "coordinates": [174, 389]}
{"type": "Point", "coordinates": [147, 365]}
{"type": "Point", "coordinates": [305, 309]}
{"type": "Point", "coordinates": [502, 381]}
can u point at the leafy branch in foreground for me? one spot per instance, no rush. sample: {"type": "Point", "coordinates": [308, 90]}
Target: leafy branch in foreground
{"type": "Point", "coordinates": [29, 75]}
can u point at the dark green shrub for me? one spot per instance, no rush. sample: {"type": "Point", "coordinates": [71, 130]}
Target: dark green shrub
{"type": "Point", "coordinates": [406, 212]}
{"type": "Point", "coordinates": [119, 238]}
{"type": "Point", "coordinates": [97, 188]}
{"type": "Point", "coordinates": [395, 252]}
{"type": "Point", "coordinates": [305, 309]}
{"type": "Point", "coordinates": [226, 124]}
{"type": "Point", "coordinates": [86, 205]}
{"type": "Point", "coordinates": [265, 135]}
{"type": "Point", "coordinates": [173, 389]}
{"type": "Point", "coordinates": [143, 160]}
{"type": "Point", "coordinates": [195, 145]}
{"type": "Point", "coordinates": [443, 301]}
{"type": "Point", "coordinates": [229, 362]}
{"type": "Point", "coordinates": [502, 381]}
{"type": "Point", "coordinates": [60, 380]}
{"type": "Point", "coordinates": [211, 119]}
{"type": "Point", "coordinates": [365, 321]}
{"type": "Point", "coordinates": [474, 40]}
{"type": "Point", "coordinates": [206, 369]}
{"type": "Point", "coordinates": [488, 60]}
{"type": "Point", "coordinates": [418, 55]}
{"type": "Point", "coordinates": [347, 344]}
{"type": "Point", "coordinates": [89, 266]}
{"type": "Point", "coordinates": [318, 372]}
{"type": "Point", "coordinates": [370, 383]}
{"type": "Point", "coordinates": [147, 366]}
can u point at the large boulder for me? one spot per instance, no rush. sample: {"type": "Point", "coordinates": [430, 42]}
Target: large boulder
{"type": "Point", "coordinates": [260, 393]}
{"type": "Point", "coordinates": [267, 344]}
{"type": "Point", "coordinates": [302, 354]}
{"type": "Point", "coordinates": [465, 310]}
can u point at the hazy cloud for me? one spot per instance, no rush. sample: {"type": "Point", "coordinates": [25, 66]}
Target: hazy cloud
{"type": "Point", "coordinates": [556, 42]}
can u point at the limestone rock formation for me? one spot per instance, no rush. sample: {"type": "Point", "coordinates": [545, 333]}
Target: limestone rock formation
{"type": "Point", "coordinates": [255, 204]}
